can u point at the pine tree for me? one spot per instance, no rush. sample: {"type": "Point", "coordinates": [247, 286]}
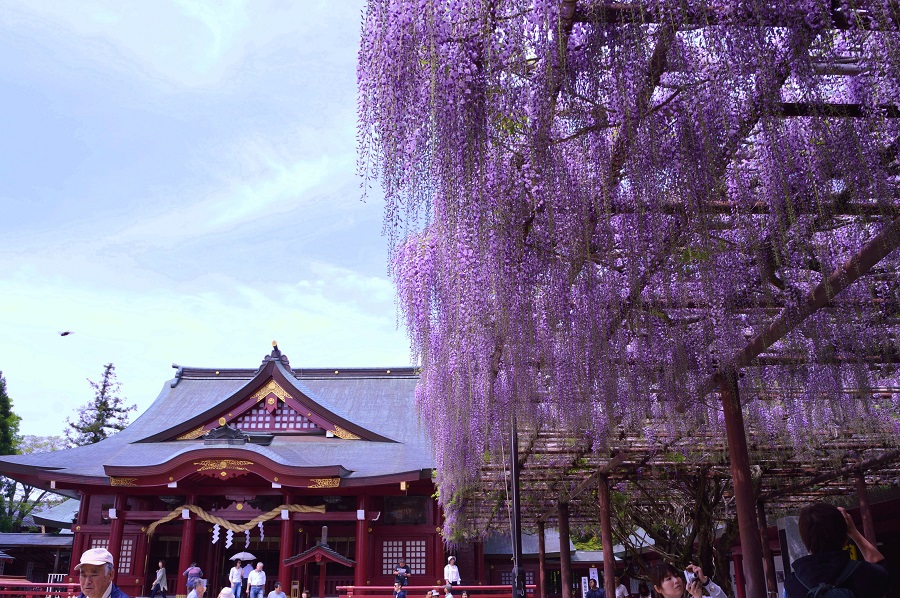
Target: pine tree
{"type": "Point", "coordinates": [105, 415]}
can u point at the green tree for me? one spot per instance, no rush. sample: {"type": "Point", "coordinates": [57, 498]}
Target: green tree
{"type": "Point", "coordinates": [18, 500]}
{"type": "Point", "coordinates": [104, 415]}
{"type": "Point", "coordinates": [9, 422]}
{"type": "Point", "coordinates": [9, 432]}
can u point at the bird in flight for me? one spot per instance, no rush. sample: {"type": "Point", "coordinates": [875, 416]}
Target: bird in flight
{"type": "Point", "coordinates": [65, 333]}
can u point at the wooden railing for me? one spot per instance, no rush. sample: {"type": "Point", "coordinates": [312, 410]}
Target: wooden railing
{"type": "Point", "coordinates": [332, 585]}
{"type": "Point", "coordinates": [504, 591]}
{"type": "Point", "coordinates": [13, 588]}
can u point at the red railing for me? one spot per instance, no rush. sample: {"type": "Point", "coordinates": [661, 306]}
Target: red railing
{"type": "Point", "coordinates": [29, 589]}
{"type": "Point", "coordinates": [504, 591]}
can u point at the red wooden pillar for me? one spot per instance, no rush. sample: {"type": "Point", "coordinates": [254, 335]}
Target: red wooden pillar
{"type": "Point", "coordinates": [286, 546]}
{"type": "Point", "coordinates": [768, 557]}
{"type": "Point", "coordinates": [116, 529]}
{"type": "Point", "coordinates": [865, 509]}
{"type": "Point", "coordinates": [321, 576]}
{"type": "Point", "coordinates": [361, 572]}
{"type": "Point", "coordinates": [286, 551]}
{"type": "Point", "coordinates": [437, 561]}
{"type": "Point", "coordinates": [745, 501]}
{"type": "Point", "coordinates": [78, 541]}
{"type": "Point", "coordinates": [609, 559]}
{"type": "Point", "coordinates": [479, 564]}
{"type": "Point", "coordinates": [542, 561]}
{"type": "Point", "coordinates": [739, 589]}
{"type": "Point", "coordinates": [565, 556]}
{"type": "Point", "coordinates": [186, 555]}
{"type": "Point", "coordinates": [304, 571]}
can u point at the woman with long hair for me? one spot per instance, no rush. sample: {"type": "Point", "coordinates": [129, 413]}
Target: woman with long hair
{"type": "Point", "coordinates": [669, 582]}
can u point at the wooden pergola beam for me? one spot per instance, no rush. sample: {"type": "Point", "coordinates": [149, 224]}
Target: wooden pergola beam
{"type": "Point", "coordinates": [871, 464]}
{"type": "Point", "coordinates": [621, 13]}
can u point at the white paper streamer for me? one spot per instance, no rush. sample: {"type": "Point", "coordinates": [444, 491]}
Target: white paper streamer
{"type": "Point", "coordinates": [229, 536]}
{"type": "Point", "coordinates": [215, 534]}
{"type": "Point", "coordinates": [262, 534]}
{"type": "Point", "coordinates": [247, 534]}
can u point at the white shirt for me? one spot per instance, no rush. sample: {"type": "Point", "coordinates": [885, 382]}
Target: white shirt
{"type": "Point", "coordinates": [621, 591]}
{"type": "Point", "coordinates": [234, 575]}
{"type": "Point", "coordinates": [451, 573]}
{"type": "Point", "coordinates": [257, 578]}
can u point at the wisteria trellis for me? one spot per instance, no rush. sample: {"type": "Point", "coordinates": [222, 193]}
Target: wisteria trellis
{"type": "Point", "coordinates": [593, 205]}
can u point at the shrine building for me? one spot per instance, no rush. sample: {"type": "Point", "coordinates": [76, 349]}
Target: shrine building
{"type": "Point", "coordinates": [234, 460]}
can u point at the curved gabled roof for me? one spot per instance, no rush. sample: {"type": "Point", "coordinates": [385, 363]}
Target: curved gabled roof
{"type": "Point", "coordinates": [374, 405]}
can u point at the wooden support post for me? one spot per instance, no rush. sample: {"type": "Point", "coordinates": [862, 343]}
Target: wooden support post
{"type": "Point", "coordinates": [304, 570]}
{"type": "Point", "coordinates": [360, 573]}
{"type": "Point", "coordinates": [436, 565]}
{"type": "Point", "coordinates": [744, 498]}
{"type": "Point", "coordinates": [740, 589]}
{"type": "Point", "coordinates": [78, 541]}
{"type": "Point", "coordinates": [768, 557]}
{"type": "Point", "coordinates": [609, 559]}
{"type": "Point", "coordinates": [186, 552]}
{"type": "Point", "coordinates": [865, 509]}
{"type": "Point", "coordinates": [518, 572]}
{"type": "Point", "coordinates": [322, 579]}
{"type": "Point", "coordinates": [479, 564]}
{"type": "Point", "coordinates": [565, 556]}
{"type": "Point", "coordinates": [116, 529]}
{"type": "Point", "coordinates": [542, 561]}
{"type": "Point", "coordinates": [286, 551]}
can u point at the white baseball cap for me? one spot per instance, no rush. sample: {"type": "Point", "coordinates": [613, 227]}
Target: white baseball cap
{"type": "Point", "coordinates": [95, 556]}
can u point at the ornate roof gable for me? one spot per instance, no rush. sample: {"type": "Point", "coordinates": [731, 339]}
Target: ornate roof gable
{"type": "Point", "coordinates": [273, 402]}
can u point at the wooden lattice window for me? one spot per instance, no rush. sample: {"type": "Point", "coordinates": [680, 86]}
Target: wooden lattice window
{"type": "Point", "coordinates": [126, 552]}
{"type": "Point", "coordinates": [506, 578]}
{"type": "Point", "coordinates": [126, 556]}
{"type": "Point", "coordinates": [411, 551]}
{"type": "Point", "coordinates": [281, 419]}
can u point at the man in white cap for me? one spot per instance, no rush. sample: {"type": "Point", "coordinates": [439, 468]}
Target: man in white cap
{"type": "Point", "coordinates": [95, 574]}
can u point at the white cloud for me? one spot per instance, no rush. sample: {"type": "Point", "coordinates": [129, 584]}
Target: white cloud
{"type": "Point", "coordinates": [185, 43]}
{"type": "Point", "coordinates": [229, 323]}
{"type": "Point", "coordinates": [276, 188]}
{"type": "Point", "coordinates": [185, 191]}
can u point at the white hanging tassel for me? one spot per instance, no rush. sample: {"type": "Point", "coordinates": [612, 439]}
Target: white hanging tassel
{"type": "Point", "coordinates": [229, 536]}
{"type": "Point", "coordinates": [215, 534]}
{"type": "Point", "coordinates": [247, 543]}
{"type": "Point", "coordinates": [262, 534]}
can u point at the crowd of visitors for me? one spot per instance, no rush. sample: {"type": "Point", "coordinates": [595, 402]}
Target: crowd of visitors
{"type": "Point", "coordinates": [826, 572]}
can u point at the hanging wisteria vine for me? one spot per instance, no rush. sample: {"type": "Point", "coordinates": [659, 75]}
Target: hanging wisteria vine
{"type": "Point", "coordinates": [594, 204]}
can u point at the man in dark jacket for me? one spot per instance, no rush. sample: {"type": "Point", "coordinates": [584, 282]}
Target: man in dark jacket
{"type": "Point", "coordinates": [95, 574]}
{"type": "Point", "coordinates": [824, 530]}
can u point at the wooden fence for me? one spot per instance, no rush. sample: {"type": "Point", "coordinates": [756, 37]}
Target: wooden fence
{"type": "Point", "coordinates": [22, 588]}
{"type": "Point", "coordinates": [504, 591]}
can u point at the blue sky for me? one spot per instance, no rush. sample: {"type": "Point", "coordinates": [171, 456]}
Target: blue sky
{"type": "Point", "coordinates": [178, 185]}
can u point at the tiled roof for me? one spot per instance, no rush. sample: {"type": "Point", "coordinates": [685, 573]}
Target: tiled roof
{"type": "Point", "coordinates": [378, 399]}
{"type": "Point", "coordinates": [62, 515]}
{"type": "Point", "coordinates": [323, 549]}
{"type": "Point", "coordinates": [24, 540]}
